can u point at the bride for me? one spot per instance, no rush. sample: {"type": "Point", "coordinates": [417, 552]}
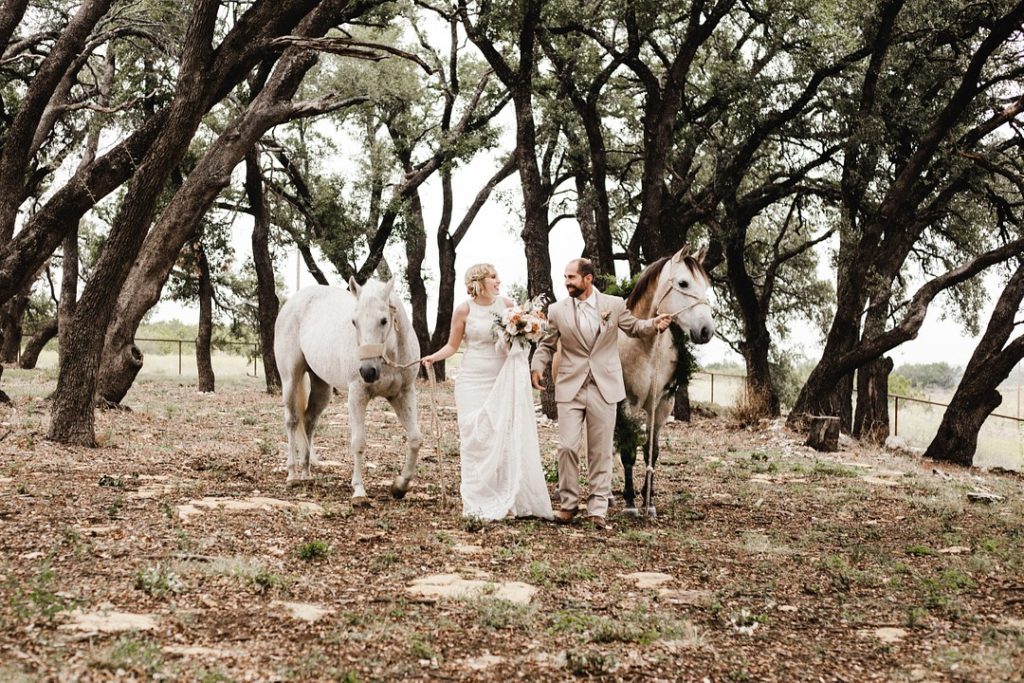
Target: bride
{"type": "Point", "coordinates": [500, 454]}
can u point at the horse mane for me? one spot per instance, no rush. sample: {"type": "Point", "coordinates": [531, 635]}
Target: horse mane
{"type": "Point", "coordinates": [643, 290]}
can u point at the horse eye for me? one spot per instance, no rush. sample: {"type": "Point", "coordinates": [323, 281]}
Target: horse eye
{"type": "Point", "coordinates": [354, 324]}
{"type": "Point", "coordinates": [684, 284]}
{"type": "Point", "coordinates": [383, 321]}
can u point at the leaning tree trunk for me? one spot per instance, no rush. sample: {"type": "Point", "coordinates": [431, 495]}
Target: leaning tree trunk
{"type": "Point", "coordinates": [72, 419]}
{"type": "Point", "coordinates": [204, 364]}
{"type": "Point", "coordinates": [977, 395]}
{"type": "Point", "coordinates": [266, 292]}
{"type": "Point", "coordinates": [957, 437]}
{"type": "Point", "coordinates": [871, 419]}
{"type": "Point", "coordinates": [30, 356]}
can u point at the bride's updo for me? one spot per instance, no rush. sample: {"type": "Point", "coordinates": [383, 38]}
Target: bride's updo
{"type": "Point", "coordinates": [475, 277]}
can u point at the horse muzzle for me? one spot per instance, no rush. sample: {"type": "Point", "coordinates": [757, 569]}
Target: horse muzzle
{"type": "Point", "coordinates": [702, 334]}
{"type": "Point", "coordinates": [370, 372]}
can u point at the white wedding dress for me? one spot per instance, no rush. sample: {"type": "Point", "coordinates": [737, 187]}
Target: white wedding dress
{"type": "Point", "coordinates": [501, 468]}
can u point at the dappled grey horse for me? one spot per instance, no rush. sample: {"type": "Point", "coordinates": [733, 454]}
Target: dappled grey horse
{"type": "Point", "coordinates": [359, 339]}
{"type": "Point", "coordinates": [677, 285]}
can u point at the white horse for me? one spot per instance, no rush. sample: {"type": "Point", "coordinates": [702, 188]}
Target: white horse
{"type": "Point", "coordinates": [360, 339]}
{"type": "Point", "coordinates": [676, 285]}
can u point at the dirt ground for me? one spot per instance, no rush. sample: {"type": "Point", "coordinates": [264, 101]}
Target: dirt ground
{"type": "Point", "coordinates": [767, 561]}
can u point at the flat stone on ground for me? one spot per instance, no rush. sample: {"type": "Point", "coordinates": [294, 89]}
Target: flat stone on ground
{"type": "Point", "coordinates": [647, 579]}
{"type": "Point", "coordinates": [888, 634]}
{"type": "Point", "coordinates": [109, 621]}
{"type": "Point", "coordinates": [254, 503]}
{"type": "Point", "coordinates": [303, 611]}
{"type": "Point", "coordinates": [484, 661]}
{"type": "Point", "coordinates": [456, 587]}
{"type": "Point", "coordinates": [693, 598]}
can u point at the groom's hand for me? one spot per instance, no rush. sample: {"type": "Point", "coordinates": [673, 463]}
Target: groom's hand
{"type": "Point", "coordinates": [536, 379]}
{"type": "Point", "coordinates": [662, 322]}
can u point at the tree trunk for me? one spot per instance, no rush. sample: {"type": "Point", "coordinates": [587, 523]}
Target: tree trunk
{"type": "Point", "coordinates": [977, 395]}
{"type": "Point", "coordinates": [72, 419]}
{"type": "Point", "coordinates": [204, 364]}
{"type": "Point", "coordinates": [68, 290]}
{"type": "Point", "coordinates": [824, 433]}
{"type": "Point", "coordinates": [178, 221]}
{"type": "Point", "coordinates": [30, 356]}
{"type": "Point", "coordinates": [681, 410]}
{"type": "Point", "coordinates": [266, 289]}
{"type": "Point", "coordinates": [11, 320]}
{"type": "Point", "coordinates": [871, 419]}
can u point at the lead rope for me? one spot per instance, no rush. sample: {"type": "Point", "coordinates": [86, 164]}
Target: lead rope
{"type": "Point", "coordinates": [435, 426]}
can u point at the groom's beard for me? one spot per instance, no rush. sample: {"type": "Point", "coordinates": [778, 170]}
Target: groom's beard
{"type": "Point", "coordinates": [573, 292]}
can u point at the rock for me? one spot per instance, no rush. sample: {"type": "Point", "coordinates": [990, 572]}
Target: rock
{"type": "Point", "coordinates": [109, 621]}
{"type": "Point", "coordinates": [303, 611]}
{"type": "Point", "coordinates": [456, 587]}
{"type": "Point", "coordinates": [484, 661]}
{"type": "Point", "coordinates": [983, 497]}
{"type": "Point", "coordinates": [888, 634]}
{"type": "Point", "coordinates": [895, 443]}
{"type": "Point", "coordinates": [955, 550]}
{"type": "Point", "coordinates": [194, 507]}
{"type": "Point", "coordinates": [693, 598]}
{"type": "Point", "coordinates": [647, 579]}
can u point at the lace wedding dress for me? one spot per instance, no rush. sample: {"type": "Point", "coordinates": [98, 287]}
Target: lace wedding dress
{"type": "Point", "coordinates": [500, 454]}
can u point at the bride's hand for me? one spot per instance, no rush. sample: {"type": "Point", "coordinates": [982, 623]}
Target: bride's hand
{"type": "Point", "coordinates": [427, 361]}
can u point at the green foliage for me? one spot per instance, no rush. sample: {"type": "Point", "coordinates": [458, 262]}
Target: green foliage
{"type": "Point", "coordinates": [928, 376]}
{"type": "Point", "coordinates": [313, 550]}
{"type": "Point", "coordinates": [158, 581]}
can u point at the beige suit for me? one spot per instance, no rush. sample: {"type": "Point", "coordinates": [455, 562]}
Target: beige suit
{"type": "Point", "coordinates": [587, 388]}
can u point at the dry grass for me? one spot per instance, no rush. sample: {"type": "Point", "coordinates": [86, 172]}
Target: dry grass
{"type": "Point", "coordinates": [784, 563]}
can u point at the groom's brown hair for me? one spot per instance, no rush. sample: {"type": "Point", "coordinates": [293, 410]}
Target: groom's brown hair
{"type": "Point", "coordinates": [585, 267]}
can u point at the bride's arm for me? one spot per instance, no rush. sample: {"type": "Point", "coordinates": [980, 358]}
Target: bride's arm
{"type": "Point", "coordinates": [458, 329]}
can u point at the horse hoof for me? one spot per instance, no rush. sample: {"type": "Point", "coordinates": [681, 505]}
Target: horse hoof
{"type": "Point", "coordinates": [360, 502]}
{"type": "Point", "coordinates": [631, 511]}
{"type": "Point", "coordinates": [652, 512]}
{"type": "Point", "coordinates": [397, 493]}
{"type": "Point", "coordinates": [298, 481]}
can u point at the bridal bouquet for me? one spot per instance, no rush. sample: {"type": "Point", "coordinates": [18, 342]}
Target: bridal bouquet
{"type": "Point", "coordinates": [522, 324]}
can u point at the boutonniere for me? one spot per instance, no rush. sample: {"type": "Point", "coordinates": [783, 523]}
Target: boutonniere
{"type": "Point", "coordinates": [605, 314]}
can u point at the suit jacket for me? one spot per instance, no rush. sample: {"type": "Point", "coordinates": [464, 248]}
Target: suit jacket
{"type": "Point", "coordinates": [601, 359]}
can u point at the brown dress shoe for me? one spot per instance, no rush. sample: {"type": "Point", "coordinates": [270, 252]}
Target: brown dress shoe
{"type": "Point", "coordinates": [564, 516]}
{"type": "Point", "coordinates": [599, 522]}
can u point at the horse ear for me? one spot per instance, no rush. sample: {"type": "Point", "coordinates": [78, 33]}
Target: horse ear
{"type": "Point", "coordinates": [681, 254]}
{"type": "Point", "coordinates": [353, 286]}
{"type": "Point", "coordinates": [700, 255]}
{"type": "Point", "coordinates": [388, 287]}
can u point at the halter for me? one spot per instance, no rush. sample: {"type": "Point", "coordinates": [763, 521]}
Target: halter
{"type": "Point", "coordinates": [379, 349]}
{"type": "Point", "coordinates": [697, 300]}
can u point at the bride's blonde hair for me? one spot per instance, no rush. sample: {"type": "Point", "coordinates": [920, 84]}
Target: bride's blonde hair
{"type": "Point", "coordinates": [475, 277]}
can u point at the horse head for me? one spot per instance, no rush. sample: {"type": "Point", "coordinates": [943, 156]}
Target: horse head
{"type": "Point", "coordinates": [374, 324]}
{"type": "Point", "coordinates": [683, 292]}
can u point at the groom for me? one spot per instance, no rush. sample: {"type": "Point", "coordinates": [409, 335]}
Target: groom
{"type": "Point", "coordinates": [588, 385]}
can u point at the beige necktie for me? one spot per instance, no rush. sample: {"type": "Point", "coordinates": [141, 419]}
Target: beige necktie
{"type": "Point", "coordinates": [587, 322]}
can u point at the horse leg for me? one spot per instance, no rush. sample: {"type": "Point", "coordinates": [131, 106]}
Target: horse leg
{"type": "Point", "coordinates": [357, 400]}
{"type": "Point", "coordinates": [293, 391]}
{"type": "Point", "coordinates": [319, 397]}
{"type": "Point", "coordinates": [405, 408]}
{"type": "Point", "coordinates": [628, 458]}
{"type": "Point", "coordinates": [660, 415]}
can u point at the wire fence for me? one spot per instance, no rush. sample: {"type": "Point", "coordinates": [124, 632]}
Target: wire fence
{"type": "Point", "coordinates": [914, 420]}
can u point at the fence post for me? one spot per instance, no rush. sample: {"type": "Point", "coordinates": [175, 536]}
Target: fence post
{"type": "Point", "coordinates": [179, 356]}
{"type": "Point", "coordinates": [896, 420]}
{"type": "Point", "coordinates": [712, 387]}
{"type": "Point", "coordinates": [255, 351]}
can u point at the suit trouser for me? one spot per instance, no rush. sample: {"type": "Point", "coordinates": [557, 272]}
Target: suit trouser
{"type": "Point", "coordinates": [586, 411]}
